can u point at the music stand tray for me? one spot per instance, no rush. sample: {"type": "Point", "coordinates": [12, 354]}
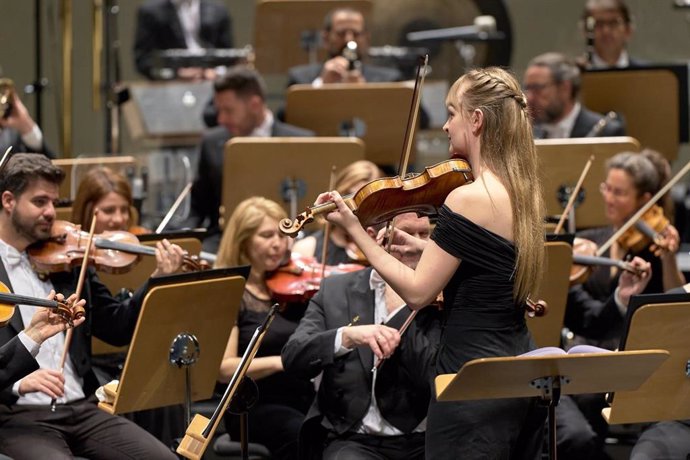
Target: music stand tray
{"type": "Point", "coordinates": [376, 112]}
{"type": "Point", "coordinates": [272, 167]}
{"type": "Point", "coordinates": [666, 394]}
{"type": "Point", "coordinates": [549, 377]}
{"type": "Point", "coordinates": [560, 164]}
{"type": "Point", "coordinates": [206, 309]}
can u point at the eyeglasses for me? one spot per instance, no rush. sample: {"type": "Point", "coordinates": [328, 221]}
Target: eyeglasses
{"type": "Point", "coordinates": [606, 189]}
{"type": "Point", "coordinates": [612, 24]}
{"type": "Point", "coordinates": [537, 87]}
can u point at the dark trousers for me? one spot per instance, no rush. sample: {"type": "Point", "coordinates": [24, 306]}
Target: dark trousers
{"type": "Point", "coordinates": [75, 429]}
{"type": "Point", "coordinates": [355, 446]}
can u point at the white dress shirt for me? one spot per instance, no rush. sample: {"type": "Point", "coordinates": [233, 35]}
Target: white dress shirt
{"type": "Point", "coordinates": [25, 282]}
{"type": "Point", "coordinates": [190, 19]}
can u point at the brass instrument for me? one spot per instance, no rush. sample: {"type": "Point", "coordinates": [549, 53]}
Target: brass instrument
{"type": "Point", "coordinates": [6, 97]}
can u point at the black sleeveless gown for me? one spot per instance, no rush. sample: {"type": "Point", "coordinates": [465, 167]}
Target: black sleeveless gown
{"type": "Point", "coordinates": [481, 320]}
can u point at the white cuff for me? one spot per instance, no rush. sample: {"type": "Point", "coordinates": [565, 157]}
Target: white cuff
{"type": "Point", "coordinates": [34, 138]}
{"type": "Point", "coordinates": [338, 348]}
{"type": "Point", "coordinates": [622, 308]}
{"type": "Point", "coordinates": [29, 343]}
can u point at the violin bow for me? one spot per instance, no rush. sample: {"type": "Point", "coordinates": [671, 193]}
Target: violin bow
{"type": "Point", "coordinates": [573, 195]}
{"type": "Point", "coordinates": [327, 227]}
{"type": "Point", "coordinates": [173, 208]}
{"type": "Point", "coordinates": [604, 247]}
{"type": "Point", "coordinates": [402, 166]}
{"type": "Point", "coordinates": [80, 286]}
{"type": "Point", "coordinates": [4, 157]}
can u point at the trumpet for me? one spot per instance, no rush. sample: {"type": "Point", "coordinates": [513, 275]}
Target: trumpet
{"type": "Point", "coordinates": [6, 97]}
{"type": "Point", "coordinates": [351, 53]}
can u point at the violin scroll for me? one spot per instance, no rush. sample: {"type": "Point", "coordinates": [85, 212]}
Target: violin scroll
{"type": "Point", "coordinates": [536, 309]}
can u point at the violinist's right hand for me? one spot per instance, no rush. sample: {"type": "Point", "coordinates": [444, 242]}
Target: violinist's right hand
{"type": "Point", "coordinates": [382, 340]}
{"type": "Point", "coordinates": [45, 323]}
{"type": "Point", "coordinates": [47, 381]}
{"type": "Point", "coordinates": [630, 284]}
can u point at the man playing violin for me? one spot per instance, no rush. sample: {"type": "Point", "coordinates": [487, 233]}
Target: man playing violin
{"type": "Point", "coordinates": [17, 357]}
{"type": "Point", "coordinates": [29, 189]}
{"type": "Point", "coordinates": [343, 335]}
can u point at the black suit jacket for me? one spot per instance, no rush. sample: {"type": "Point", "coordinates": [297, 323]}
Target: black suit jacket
{"type": "Point", "coordinates": [344, 394]}
{"type": "Point", "coordinates": [586, 120]}
{"type": "Point", "coordinates": [159, 28]}
{"type": "Point", "coordinates": [372, 73]}
{"type": "Point", "coordinates": [11, 138]}
{"type": "Point", "coordinates": [15, 362]}
{"type": "Point", "coordinates": [106, 318]}
{"type": "Point", "coordinates": [208, 185]}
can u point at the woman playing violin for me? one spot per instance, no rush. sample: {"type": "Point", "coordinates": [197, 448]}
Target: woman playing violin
{"type": "Point", "coordinates": [29, 186]}
{"type": "Point", "coordinates": [486, 255]}
{"type": "Point", "coordinates": [252, 237]}
{"type": "Point", "coordinates": [340, 248]}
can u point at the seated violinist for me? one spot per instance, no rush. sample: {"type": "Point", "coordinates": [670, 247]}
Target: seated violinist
{"type": "Point", "coordinates": [343, 335]}
{"type": "Point", "coordinates": [596, 310]}
{"type": "Point", "coordinates": [252, 237]}
{"type": "Point", "coordinates": [340, 248]}
{"type": "Point", "coordinates": [29, 185]}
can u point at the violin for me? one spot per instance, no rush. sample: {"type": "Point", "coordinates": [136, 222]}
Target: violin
{"type": "Point", "coordinates": [113, 252]}
{"type": "Point", "coordinates": [382, 199]}
{"type": "Point", "coordinates": [8, 301]}
{"type": "Point", "coordinates": [645, 231]}
{"type": "Point", "coordinates": [584, 259]}
{"type": "Point", "coordinates": [299, 279]}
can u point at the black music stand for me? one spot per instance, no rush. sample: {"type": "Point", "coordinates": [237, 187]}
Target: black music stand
{"type": "Point", "coordinates": [548, 377]}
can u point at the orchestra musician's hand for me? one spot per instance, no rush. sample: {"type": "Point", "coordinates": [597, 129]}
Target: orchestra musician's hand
{"type": "Point", "coordinates": [45, 323]}
{"type": "Point", "coordinates": [336, 70]}
{"type": "Point", "coordinates": [670, 243]}
{"type": "Point", "coordinates": [47, 381]}
{"type": "Point", "coordinates": [630, 284]}
{"type": "Point", "coordinates": [403, 245]}
{"type": "Point", "coordinates": [169, 258]}
{"type": "Point", "coordinates": [19, 118]}
{"type": "Point", "coordinates": [343, 216]}
{"type": "Point", "coordinates": [382, 340]}
{"type": "Point", "coordinates": [190, 73]}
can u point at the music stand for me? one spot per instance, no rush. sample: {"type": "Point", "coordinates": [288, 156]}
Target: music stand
{"type": "Point", "coordinates": [666, 394]}
{"type": "Point", "coordinates": [193, 316]}
{"type": "Point", "coordinates": [548, 377]}
{"type": "Point", "coordinates": [167, 113]}
{"type": "Point", "coordinates": [560, 164]}
{"type": "Point", "coordinates": [376, 112]}
{"type": "Point", "coordinates": [75, 168]}
{"type": "Point", "coordinates": [546, 330]}
{"type": "Point", "coordinates": [660, 91]}
{"type": "Point", "coordinates": [281, 44]}
{"type": "Point", "coordinates": [280, 168]}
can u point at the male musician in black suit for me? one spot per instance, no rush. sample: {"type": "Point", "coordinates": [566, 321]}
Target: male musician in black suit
{"type": "Point", "coordinates": [552, 86]}
{"type": "Point", "coordinates": [343, 26]}
{"type": "Point", "coordinates": [610, 25]}
{"type": "Point", "coordinates": [17, 357]}
{"type": "Point", "coordinates": [240, 102]}
{"type": "Point", "coordinates": [19, 131]}
{"type": "Point", "coordinates": [185, 24]}
{"type": "Point", "coordinates": [342, 335]}
{"type": "Point", "coordinates": [29, 186]}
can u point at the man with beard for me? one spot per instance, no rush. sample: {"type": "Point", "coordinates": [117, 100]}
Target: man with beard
{"type": "Point", "coordinates": [552, 86]}
{"type": "Point", "coordinates": [29, 189]}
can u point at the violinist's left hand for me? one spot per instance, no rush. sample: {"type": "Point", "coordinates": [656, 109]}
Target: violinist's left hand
{"type": "Point", "coordinates": [343, 216]}
{"type": "Point", "coordinates": [403, 245]}
{"type": "Point", "coordinates": [45, 323]}
{"type": "Point", "coordinates": [669, 244]}
{"type": "Point", "coordinates": [169, 258]}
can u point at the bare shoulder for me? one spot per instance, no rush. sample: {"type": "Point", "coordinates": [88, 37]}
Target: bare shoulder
{"type": "Point", "coordinates": [486, 203]}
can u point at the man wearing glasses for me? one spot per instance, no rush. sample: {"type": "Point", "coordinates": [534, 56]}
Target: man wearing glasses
{"type": "Point", "coordinates": [346, 40]}
{"type": "Point", "coordinates": [608, 26]}
{"type": "Point", "coordinates": [552, 86]}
